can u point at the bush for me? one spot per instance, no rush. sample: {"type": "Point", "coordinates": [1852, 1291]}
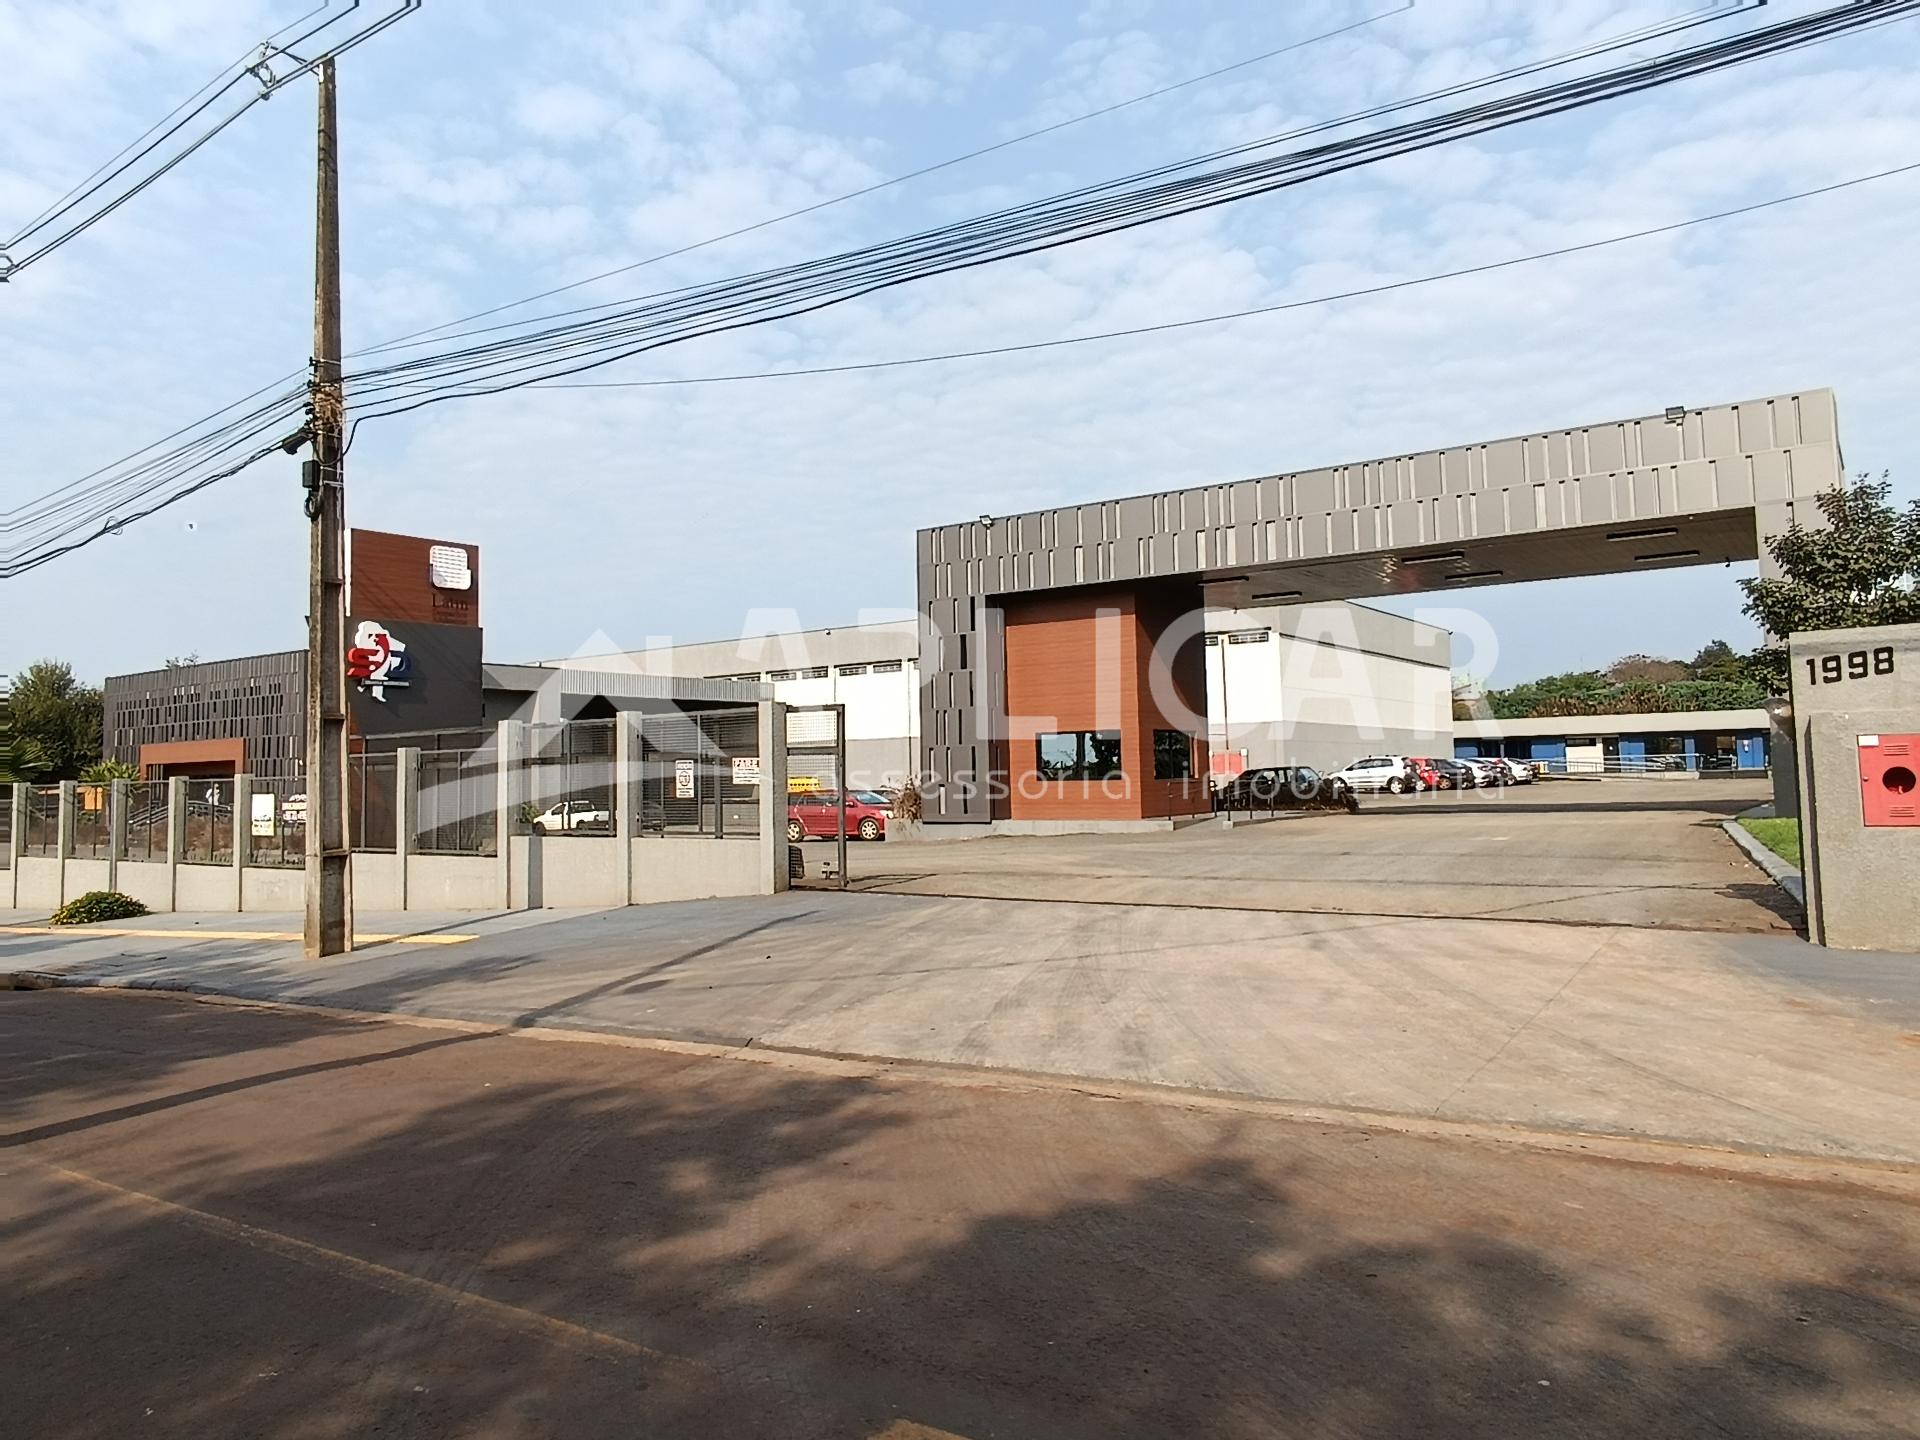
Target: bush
{"type": "Point", "coordinates": [906, 805]}
{"type": "Point", "coordinates": [97, 905]}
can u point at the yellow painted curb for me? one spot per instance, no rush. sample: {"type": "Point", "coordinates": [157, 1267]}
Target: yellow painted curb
{"type": "Point", "coordinates": [81, 932]}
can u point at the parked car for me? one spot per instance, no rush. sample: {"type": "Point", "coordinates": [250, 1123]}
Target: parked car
{"type": "Point", "coordinates": [1284, 787]}
{"type": "Point", "coordinates": [1452, 774]}
{"type": "Point", "coordinates": [814, 815]}
{"type": "Point", "coordinates": [1395, 774]}
{"type": "Point", "coordinates": [1426, 772]}
{"type": "Point", "coordinates": [1519, 772]}
{"type": "Point", "coordinates": [571, 817]}
{"type": "Point", "coordinates": [1487, 770]}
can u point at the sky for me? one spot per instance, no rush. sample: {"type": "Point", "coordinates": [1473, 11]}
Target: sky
{"type": "Point", "coordinates": [491, 150]}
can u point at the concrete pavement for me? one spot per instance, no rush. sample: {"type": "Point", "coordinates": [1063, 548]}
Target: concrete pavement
{"type": "Point", "coordinates": [1612, 852]}
{"type": "Point", "coordinates": [282, 1226]}
{"type": "Point", "coordinates": [1755, 1041]}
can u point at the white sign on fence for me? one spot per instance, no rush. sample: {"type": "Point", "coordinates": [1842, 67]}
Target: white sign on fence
{"type": "Point", "coordinates": [683, 779]}
{"type": "Point", "coordinates": [265, 815]}
{"type": "Point", "coordinates": [746, 769]}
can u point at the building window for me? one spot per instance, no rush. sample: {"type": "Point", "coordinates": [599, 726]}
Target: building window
{"type": "Point", "coordinates": [1172, 755]}
{"type": "Point", "coordinates": [887, 667]}
{"type": "Point", "coordinates": [1249, 637]}
{"type": "Point", "coordinates": [780, 674]}
{"type": "Point", "coordinates": [853, 669]}
{"type": "Point", "coordinates": [1079, 755]}
{"type": "Point", "coordinates": [816, 672]}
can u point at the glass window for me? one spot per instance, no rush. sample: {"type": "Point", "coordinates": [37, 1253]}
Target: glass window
{"type": "Point", "coordinates": [1079, 755]}
{"type": "Point", "coordinates": [1172, 755]}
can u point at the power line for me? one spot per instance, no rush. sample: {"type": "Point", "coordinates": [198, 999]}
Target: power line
{"type": "Point", "coordinates": [1363, 292]}
{"type": "Point", "coordinates": [900, 179]}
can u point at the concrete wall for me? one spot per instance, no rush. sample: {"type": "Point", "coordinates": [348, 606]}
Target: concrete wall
{"type": "Point", "coordinates": [205, 887]}
{"type": "Point", "coordinates": [36, 883]}
{"type": "Point", "coordinates": [148, 881]}
{"type": "Point", "coordinates": [702, 869]}
{"type": "Point", "coordinates": [378, 882]}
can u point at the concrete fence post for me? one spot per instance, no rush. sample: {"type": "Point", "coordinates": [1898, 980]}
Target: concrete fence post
{"type": "Point", "coordinates": [176, 836]}
{"type": "Point", "coordinates": [242, 838]}
{"type": "Point", "coordinates": [63, 834]}
{"type": "Point", "coordinates": [119, 792]}
{"type": "Point", "coordinates": [18, 795]}
{"type": "Point", "coordinates": [505, 803]}
{"type": "Point", "coordinates": [624, 824]}
{"type": "Point", "coordinates": [773, 789]}
{"type": "Point", "coordinates": [406, 811]}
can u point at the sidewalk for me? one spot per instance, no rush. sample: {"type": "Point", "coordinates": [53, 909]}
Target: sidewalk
{"type": "Point", "coordinates": [1753, 1041]}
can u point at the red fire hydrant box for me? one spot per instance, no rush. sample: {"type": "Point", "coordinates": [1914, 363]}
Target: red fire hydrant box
{"type": "Point", "coordinates": [1889, 773]}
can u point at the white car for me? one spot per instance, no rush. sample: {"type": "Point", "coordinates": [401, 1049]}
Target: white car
{"type": "Point", "coordinates": [1519, 772]}
{"type": "Point", "coordinates": [1487, 770]}
{"type": "Point", "coordinates": [573, 815]}
{"type": "Point", "coordinates": [1395, 774]}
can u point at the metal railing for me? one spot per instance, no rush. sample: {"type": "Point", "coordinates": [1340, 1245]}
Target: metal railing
{"type": "Point", "coordinates": [457, 806]}
{"type": "Point", "coordinates": [697, 773]}
{"type": "Point", "coordinates": [146, 830]}
{"type": "Point", "coordinates": [372, 802]}
{"type": "Point", "coordinates": [569, 784]}
{"type": "Point", "coordinates": [209, 823]}
{"type": "Point", "coordinates": [6, 826]}
{"type": "Point", "coordinates": [43, 821]}
{"type": "Point", "coordinates": [1629, 765]}
{"type": "Point", "coordinates": [277, 824]}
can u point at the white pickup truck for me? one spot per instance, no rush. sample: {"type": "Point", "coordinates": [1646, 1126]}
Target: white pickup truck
{"type": "Point", "coordinates": [572, 815]}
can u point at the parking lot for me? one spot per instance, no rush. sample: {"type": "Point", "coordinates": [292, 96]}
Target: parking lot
{"type": "Point", "coordinates": [1622, 852]}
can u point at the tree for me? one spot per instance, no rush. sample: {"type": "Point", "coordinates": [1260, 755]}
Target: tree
{"type": "Point", "coordinates": [20, 758]}
{"type": "Point", "coordinates": [103, 772]}
{"type": "Point", "coordinates": [1631, 668]}
{"type": "Point", "coordinates": [59, 716]}
{"type": "Point", "coordinates": [1863, 569]}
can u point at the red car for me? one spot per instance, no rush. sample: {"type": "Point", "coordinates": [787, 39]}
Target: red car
{"type": "Point", "coordinates": [1426, 773]}
{"type": "Point", "coordinates": [815, 815]}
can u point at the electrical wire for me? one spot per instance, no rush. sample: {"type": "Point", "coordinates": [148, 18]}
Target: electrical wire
{"type": "Point", "coordinates": [1363, 292]}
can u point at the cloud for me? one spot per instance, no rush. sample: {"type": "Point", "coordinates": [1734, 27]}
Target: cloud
{"type": "Point", "coordinates": [879, 81]}
{"type": "Point", "coordinates": [564, 112]}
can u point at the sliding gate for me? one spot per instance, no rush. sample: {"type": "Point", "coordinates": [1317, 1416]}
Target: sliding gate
{"type": "Point", "coordinates": [817, 796]}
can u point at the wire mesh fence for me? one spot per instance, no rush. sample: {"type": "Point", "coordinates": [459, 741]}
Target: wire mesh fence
{"type": "Point", "coordinates": [457, 809]}
{"type": "Point", "coordinates": [373, 800]}
{"type": "Point", "coordinates": [92, 823]}
{"type": "Point", "coordinates": [570, 786]}
{"type": "Point", "coordinates": [43, 821]}
{"type": "Point", "coordinates": [697, 773]}
{"type": "Point", "coordinates": [209, 823]}
{"type": "Point", "coordinates": [6, 826]}
{"type": "Point", "coordinates": [277, 824]}
{"type": "Point", "coordinates": [146, 833]}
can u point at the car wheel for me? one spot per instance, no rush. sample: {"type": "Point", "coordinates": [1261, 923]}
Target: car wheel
{"type": "Point", "coordinates": [1396, 786]}
{"type": "Point", "coordinates": [538, 828]}
{"type": "Point", "coordinates": [796, 832]}
{"type": "Point", "coordinates": [869, 829]}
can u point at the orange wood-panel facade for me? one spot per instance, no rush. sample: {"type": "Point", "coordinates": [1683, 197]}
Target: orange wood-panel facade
{"type": "Point", "coordinates": [1088, 660]}
{"type": "Point", "coordinates": [390, 581]}
{"type": "Point", "coordinates": [196, 758]}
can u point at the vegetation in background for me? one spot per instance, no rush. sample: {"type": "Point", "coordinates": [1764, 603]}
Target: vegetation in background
{"type": "Point", "coordinates": [1862, 569]}
{"type": "Point", "coordinates": [58, 716]}
{"type": "Point", "coordinates": [104, 772]}
{"type": "Point", "coordinates": [98, 905]}
{"type": "Point", "coordinates": [1781, 836]}
{"type": "Point", "coordinates": [1718, 678]}
{"type": "Point", "coordinates": [20, 758]}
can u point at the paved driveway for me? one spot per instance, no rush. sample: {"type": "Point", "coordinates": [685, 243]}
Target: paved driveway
{"type": "Point", "coordinates": [1755, 1040]}
{"type": "Point", "coordinates": [1602, 852]}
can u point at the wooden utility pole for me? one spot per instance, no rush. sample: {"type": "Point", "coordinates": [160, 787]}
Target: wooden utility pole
{"type": "Point", "coordinates": [329, 929]}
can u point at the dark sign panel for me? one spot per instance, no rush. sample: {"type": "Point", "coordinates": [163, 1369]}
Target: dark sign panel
{"type": "Point", "coordinates": [405, 676]}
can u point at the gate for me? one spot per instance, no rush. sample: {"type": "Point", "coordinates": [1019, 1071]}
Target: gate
{"type": "Point", "coordinates": [817, 796]}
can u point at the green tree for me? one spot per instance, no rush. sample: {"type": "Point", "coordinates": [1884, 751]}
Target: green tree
{"type": "Point", "coordinates": [1630, 668]}
{"type": "Point", "coordinates": [59, 716]}
{"type": "Point", "coordinates": [103, 772]}
{"type": "Point", "coordinates": [20, 758]}
{"type": "Point", "coordinates": [1863, 569]}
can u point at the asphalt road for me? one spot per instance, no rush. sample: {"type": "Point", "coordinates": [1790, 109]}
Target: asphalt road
{"type": "Point", "coordinates": [1603, 852]}
{"type": "Point", "coordinates": [229, 1221]}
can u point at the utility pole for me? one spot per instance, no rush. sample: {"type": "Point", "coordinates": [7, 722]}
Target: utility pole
{"type": "Point", "coordinates": [329, 929]}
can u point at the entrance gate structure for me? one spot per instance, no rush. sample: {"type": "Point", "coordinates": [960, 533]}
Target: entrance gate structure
{"type": "Point", "coordinates": [817, 796]}
{"type": "Point", "coordinates": [1012, 606]}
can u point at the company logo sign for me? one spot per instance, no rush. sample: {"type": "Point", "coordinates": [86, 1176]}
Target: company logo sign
{"type": "Point", "coordinates": [377, 661]}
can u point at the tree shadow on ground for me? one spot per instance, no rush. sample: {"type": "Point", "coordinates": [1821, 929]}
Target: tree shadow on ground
{"type": "Point", "coordinates": [502, 1238]}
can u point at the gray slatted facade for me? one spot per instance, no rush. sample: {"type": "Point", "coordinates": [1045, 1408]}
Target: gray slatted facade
{"type": "Point", "coordinates": [259, 699]}
{"type": "Point", "coordinates": [1586, 500]}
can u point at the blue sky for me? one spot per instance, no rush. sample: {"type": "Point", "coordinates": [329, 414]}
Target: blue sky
{"type": "Point", "coordinates": [491, 150]}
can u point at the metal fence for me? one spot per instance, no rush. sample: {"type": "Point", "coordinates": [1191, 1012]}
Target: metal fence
{"type": "Point", "coordinates": [6, 826]}
{"type": "Point", "coordinates": [816, 795]}
{"type": "Point", "coordinates": [92, 823]}
{"type": "Point", "coordinates": [570, 786]}
{"type": "Point", "coordinates": [697, 772]}
{"type": "Point", "coordinates": [277, 824]}
{"type": "Point", "coordinates": [209, 824]}
{"type": "Point", "coordinates": [458, 805]}
{"type": "Point", "coordinates": [146, 837]}
{"type": "Point", "coordinates": [43, 821]}
{"type": "Point", "coordinates": [372, 801]}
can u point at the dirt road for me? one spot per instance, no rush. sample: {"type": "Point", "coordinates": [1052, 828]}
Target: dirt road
{"type": "Point", "coordinates": [230, 1221]}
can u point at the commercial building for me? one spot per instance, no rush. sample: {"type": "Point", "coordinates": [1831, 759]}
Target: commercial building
{"type": "Point", "coordinates": [1110, 589]}
{"type": "Point", "coordinates": [1689, 740]}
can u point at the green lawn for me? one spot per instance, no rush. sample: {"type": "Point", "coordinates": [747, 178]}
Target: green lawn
{"type": "Point", "coordinates": [1780, 836]}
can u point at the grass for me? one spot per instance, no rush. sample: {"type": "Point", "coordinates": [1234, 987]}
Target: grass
{"type": "Point", "coordinates": [1780, 836]}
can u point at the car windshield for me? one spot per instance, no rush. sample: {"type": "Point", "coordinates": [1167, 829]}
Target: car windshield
{"type": "Point", "coordinates": [871, 797]}
{"type": "Point", "coordinates": [1306, 776]}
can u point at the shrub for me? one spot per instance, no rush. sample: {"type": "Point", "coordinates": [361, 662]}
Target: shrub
{"type": "Point", "coordinates": [906, 805]}
{"type": "Point", "coordinates": [97, 905]}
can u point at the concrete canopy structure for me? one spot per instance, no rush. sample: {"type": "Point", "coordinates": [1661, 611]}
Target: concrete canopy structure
{"type": "Point", "coordinates": [1686, 486]}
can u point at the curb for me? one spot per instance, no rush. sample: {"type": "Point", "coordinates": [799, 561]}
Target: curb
{"type": "Point", "coordinates": [1778, 870]}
